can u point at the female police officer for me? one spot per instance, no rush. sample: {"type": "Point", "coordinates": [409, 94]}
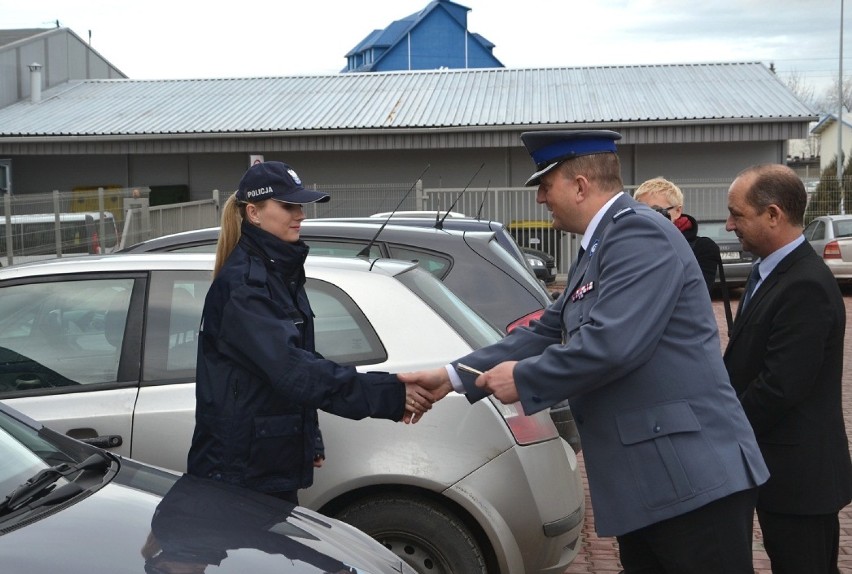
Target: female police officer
{"type": "Point", "coordinates": [259, 380]}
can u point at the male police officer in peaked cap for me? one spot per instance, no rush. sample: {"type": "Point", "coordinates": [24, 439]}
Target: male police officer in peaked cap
{"type": "Point", "coordinates": [632, 344]}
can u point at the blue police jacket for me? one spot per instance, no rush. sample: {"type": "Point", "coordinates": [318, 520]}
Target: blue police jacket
{"type": "Point", "coordinates": [259, 380]}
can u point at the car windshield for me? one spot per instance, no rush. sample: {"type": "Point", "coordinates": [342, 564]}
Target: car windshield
{"type": "Point", "coordinates": [472, 328]}
{"type": "Point", "coordinates": [19, 462]}
{"type": "Point", "coordinates": [26, 452]}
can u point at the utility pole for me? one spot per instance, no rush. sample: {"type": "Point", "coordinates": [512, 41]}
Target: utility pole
{"type": "Point", "coordinates": [840, 117]}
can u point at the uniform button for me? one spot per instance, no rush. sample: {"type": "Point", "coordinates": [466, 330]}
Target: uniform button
{"type": "Point", "coordinates": [657, 428]}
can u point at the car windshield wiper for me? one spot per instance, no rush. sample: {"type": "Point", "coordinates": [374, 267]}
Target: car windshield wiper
{"type": "Point", "coordinates": [45, 481]}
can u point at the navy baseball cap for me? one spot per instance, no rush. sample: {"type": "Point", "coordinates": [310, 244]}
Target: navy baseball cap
{"type": "Point", "coordinates": [550, 148]}
{"type": "Point", "coordinates": [276, 180]}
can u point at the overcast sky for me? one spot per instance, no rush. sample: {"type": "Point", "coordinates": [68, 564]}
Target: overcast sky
{"type": "Point", "coordinates": [194, 39]}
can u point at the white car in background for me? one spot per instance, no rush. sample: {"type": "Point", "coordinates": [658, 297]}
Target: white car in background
{"type": "Point", "coordinates": [104, 348]}
{"type": "Point", "coordinates": [831, 238]}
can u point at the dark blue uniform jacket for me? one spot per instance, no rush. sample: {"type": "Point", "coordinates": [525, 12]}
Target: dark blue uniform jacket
{"type": "Point", "coordinates": [259, 379]}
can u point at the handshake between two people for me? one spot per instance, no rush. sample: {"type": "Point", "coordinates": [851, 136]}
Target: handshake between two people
{"type": "Point", "coordinates": [425, 388]}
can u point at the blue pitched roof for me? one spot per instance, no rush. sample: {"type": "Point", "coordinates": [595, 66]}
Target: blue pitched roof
{"type": "Point", "coordinates": [396, 31]}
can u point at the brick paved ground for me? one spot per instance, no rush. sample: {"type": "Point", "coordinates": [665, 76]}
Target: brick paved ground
{"type": "Point", "coordinates": [600, 555]}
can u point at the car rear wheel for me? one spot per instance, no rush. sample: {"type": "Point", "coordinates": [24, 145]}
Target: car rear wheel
{"type": "Point", "coordinates": [424, 534]}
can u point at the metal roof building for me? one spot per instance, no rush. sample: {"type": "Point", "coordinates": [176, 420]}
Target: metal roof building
{"type": "Point", "coordinates": [691, 121]}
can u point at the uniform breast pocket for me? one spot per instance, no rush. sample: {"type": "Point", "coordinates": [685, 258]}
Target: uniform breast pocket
{"type": "Point", "coordinates": [277, 445]}
{"type": "Point", "coordinates": [670, 458]}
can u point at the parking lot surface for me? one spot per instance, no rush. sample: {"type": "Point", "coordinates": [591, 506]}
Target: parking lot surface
{"type": "Point", "coordinates": [600, 555]}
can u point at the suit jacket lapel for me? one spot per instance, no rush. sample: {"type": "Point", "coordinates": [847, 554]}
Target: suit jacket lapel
{"type": "Point", "coordinates": [744, 316]}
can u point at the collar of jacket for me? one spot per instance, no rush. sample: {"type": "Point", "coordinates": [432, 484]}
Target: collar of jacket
{"type": "Point", "coordinates": [688, 226]}
{"type": "Point", "coordinates": [284, 257]}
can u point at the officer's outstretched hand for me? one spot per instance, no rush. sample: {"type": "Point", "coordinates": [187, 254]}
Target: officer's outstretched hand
{"type": "Point", "coordinates": [500, 382]}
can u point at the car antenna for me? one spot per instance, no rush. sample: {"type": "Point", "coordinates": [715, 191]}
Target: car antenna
{"type": "Point", "coordinates": [482, 203]}
{"type": "Point", "coordinates": [440, 224]}
{"type": "Point", "coordinates": [366, 251]}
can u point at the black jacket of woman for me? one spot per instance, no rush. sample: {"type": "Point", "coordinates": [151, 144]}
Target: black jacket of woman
{"type": "Point", "coordinates": [259, 380]}
{"type": "Point", "coordinates": [705, 249]}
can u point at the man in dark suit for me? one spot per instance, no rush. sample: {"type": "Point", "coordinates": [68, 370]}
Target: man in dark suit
{"type": "Point", "coordinates": [785, 360]}
{"type": "Point", "coordinates": [632, 343]}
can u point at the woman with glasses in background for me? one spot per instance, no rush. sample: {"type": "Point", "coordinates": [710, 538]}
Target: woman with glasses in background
{"type": "Point", "coordinates": [666, 198]}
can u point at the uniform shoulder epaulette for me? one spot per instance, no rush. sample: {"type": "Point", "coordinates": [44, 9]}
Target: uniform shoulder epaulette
{"type": "Point", "coordinates": [622, 212]}
{"type": "Point", "coordinates": [257, 272]}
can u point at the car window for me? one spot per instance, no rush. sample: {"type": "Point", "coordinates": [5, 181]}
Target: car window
{"type": "Point", "coordinates": [175, 302]}
{"type": "Point", "coordinates": [340, 248]}
{"type": "Point", "coordinates": [343, 333]}
{"type": "Point", "coordinates": [817, 231]}
{"type": "Point", "coordinates": [62, 332]}
{"type": "Point", "coordinates": [521, 272]}
{"type": "Point", "coordinates": [475, 330]}
{"type": "Point", "coordinates": [432, 262]}
{"type": "Point", "coordinates": [843, 228]}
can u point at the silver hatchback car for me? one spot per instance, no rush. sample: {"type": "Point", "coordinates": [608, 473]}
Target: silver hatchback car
{"type": "Point", "coordinates": [103, 349]}
{"type": "Point", "coordinates": [831, 238]}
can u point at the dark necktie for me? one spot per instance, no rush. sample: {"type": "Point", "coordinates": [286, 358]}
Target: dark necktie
{"type": "Point", "coordinates": [576, 262]}
{"type": "Point", "coordinates": [753, 278]}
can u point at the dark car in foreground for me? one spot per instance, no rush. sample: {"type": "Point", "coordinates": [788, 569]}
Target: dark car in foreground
{"type": "Point", "coordinates": [475, 264]}
{"type": "Point", "coordinates": [736, 261]}
{"type": "Point", "coordinates": [72, 508]}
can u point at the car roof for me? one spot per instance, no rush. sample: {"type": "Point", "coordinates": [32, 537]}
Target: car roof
{"type": "Point", "coordinates": [359, 228]}
{"type": "Point", "coordinates": [419, 214]}
{"type": "Point", "coordinates": [835, 217]}
{"type": "Point", "coordinates": [165, 261]}
{"type": "Point", "coordinates": [363, 228]}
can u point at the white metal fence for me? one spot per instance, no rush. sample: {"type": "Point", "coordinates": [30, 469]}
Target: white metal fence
{"type": "Point", "coordinates": [515, 207]}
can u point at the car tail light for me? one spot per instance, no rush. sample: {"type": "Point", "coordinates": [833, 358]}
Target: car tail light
{"type": "Point", "coordinates": [526, 429]}
{"type": "Point", "coordinates": [525, 320]}
{"type": "Point", "coordinates": [831, 251]}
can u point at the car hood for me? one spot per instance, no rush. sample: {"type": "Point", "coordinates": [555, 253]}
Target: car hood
{"type": "Point", "coordinates": [127, 527]}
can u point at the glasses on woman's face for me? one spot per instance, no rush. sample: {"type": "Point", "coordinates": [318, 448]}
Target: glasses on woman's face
{"type": "Point", "coordinates": [664, 211]}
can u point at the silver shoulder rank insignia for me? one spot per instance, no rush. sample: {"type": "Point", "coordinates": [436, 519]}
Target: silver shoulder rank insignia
{"type": "Point", "coordinates": [622, 212]}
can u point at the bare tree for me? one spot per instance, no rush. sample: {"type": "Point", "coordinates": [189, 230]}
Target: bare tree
{"type": "Point", "coordinates": [805, 92]}
{"type": "Point", "coordinates": [797, 84]}
{"type": "Point", "coordinates": [828, 101]}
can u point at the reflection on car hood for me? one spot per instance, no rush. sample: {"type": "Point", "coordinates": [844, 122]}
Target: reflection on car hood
{"type": "Point", "coordinates": [128, 528]}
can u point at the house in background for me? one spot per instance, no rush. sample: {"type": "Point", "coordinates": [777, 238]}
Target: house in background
{"type": "Point", "coordinates": [436, 37]}
{"type": "Point", "coordinates": [826, 131]}
{"type": "Point", "coordinates": [59, 55]}
{"type": "Point", "coordinates": [36, 59]}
